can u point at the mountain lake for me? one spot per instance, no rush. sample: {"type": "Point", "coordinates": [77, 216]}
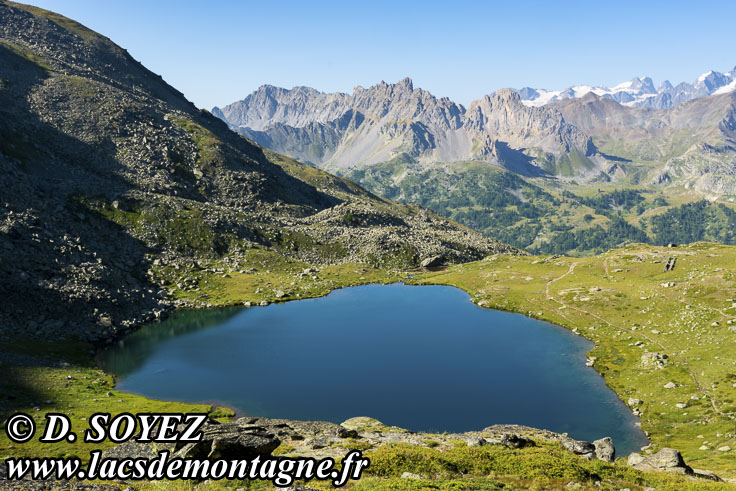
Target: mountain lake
{"type": "Point", "coordinates": [423, 358]}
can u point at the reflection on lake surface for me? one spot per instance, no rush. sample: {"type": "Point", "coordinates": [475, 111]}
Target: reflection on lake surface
{"type": "Point", "coordinates": [422, 358]}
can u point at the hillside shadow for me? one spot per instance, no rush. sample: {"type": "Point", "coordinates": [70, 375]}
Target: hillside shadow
{"type": "Point", "coordinates": [129, 353]}
{"type": "Point", "coordinates": [518, 162]}
{"type": "Point", "coordinates": [48, 244]}
{"type": "Point", "coordinates": [614, 158]}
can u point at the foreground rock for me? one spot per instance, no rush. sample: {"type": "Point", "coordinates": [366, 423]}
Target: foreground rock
{"type": "Point", "coordinates": [604, 449]}
{"type": "Point", "coordinates": [251, 436]}
{"type": "Point", "coordinates": [219, 441]}
{"type": "Point", "coordinates": [323, 439]}
{"type": "Point", "coordinates": [667, 460]}
{"type": "Point", "coordinates": [431, 262]}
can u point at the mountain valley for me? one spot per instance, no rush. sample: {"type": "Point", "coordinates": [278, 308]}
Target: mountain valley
{"type": "Point", "coordinates": [551, 170]}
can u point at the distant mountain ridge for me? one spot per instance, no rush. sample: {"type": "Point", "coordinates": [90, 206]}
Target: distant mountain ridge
{"type": "Point", "coordinates": [583, 138]}
{"type": "Point", "coordinates": [692, 144]}
{"type": "Point", "coordinates": [517, 172]}
{"type": "Point", "coordinates": [640, 92]}
{"type": "Point", "coordinates": [387, 121]}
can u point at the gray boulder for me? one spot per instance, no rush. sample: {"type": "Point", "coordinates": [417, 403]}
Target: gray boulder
{"type": "Point", "coordinates": [432, 262]}
{"type": "Point", "coordinates": [707, 475]}
{"type": "Point", "coordinates": [516, 441]}
{"type": "Point", "coordinates": [604, 449]}
{"type": "Point", "coordinates": [667, 459]}
{"type": "Point", "coordinates": [219, 441]}
{"type": "Point", "coordinates": [585, 449]}
{"type": "Point", "coordinates": [476, 441]}
{"type": "Point", "coordinates": [231, 441]}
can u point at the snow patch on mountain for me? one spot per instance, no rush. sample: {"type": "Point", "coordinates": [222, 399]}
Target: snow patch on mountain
{"type": "Point", "coordinates": [726, 88]}
{"type": "Point", "coordinates": [639, 91]}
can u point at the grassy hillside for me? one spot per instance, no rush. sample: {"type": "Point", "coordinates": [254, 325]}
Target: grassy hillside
{"type": "Point", "coordinates": [632, 308]}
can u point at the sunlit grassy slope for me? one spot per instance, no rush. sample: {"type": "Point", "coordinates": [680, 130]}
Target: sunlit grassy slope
{"type": "Point", "coordinates": [629, 306]}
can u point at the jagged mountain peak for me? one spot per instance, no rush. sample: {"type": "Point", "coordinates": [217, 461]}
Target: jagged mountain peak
{"type": "Point", "coordinates": [270, 90]}
{"type": "Point", "coordinates": [712, 81]}
{"type": "Point", "coordinates": [643, 84]}
{"type": "Point", "coordinates": [387, 120]}
{"type": "Point", "coordinates": [402, 88]}
{"type": "Point", "coordinates": [506, 94]}
{"type": "Point", "coordinates": [405, 85]}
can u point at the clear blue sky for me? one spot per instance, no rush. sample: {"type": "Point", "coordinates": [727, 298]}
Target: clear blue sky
{"type": "Point", "coordinates": [217, 52]}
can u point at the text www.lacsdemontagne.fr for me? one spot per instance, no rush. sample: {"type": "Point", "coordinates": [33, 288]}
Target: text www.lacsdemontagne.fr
{"type": "Point", "coordinates": [168, 427]}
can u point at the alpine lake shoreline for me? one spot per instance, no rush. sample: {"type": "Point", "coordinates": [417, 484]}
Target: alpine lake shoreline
{"type": "Point", "coordinates": [617, 300]}
{"type": "Point", "coordinates": [194, 216]}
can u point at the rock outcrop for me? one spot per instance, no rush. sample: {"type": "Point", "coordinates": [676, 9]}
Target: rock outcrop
{"type": "Point", "coordinates": [228, 441]}
{"type": "Point", "coordinates": [667, 459]}
{"type": "Point", "coordinates": [260, 436]}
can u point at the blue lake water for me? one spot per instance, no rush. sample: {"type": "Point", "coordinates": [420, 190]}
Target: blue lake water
{"type": "Point", "coordinates": [420, 357]}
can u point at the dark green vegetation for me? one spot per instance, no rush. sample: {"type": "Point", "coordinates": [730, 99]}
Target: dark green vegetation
{"type": "Point", "coordinates": [546, 217]}
{"type": "Point", "coordinates": [546, 466]}
{"type": "Point", "coordinates": [694, 222]}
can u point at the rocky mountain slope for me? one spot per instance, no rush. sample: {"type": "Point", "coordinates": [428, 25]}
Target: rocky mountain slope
{"type": "Point", "coordinates": [692, 144]}
{"type": "Point", "coordinates": [344, 132]}
{"type": "Point", "coordinates": [590, 138]}
{"type": "Point", "coordinates": [108, 175]}
{"type": "Point", "coordinates": [640, 92]}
